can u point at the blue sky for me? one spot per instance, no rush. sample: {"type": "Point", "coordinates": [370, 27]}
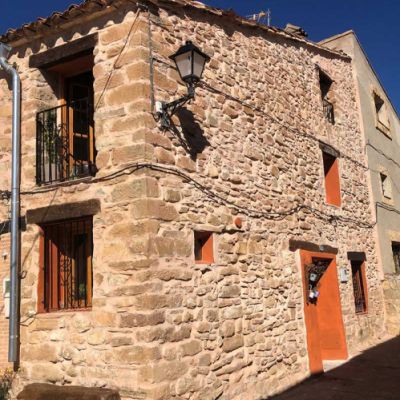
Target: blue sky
{"type": "Point", "coordinates": [375, 23]}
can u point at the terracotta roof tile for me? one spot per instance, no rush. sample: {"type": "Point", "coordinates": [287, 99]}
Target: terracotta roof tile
{"type": "Point", "coordinates": [31, 30]}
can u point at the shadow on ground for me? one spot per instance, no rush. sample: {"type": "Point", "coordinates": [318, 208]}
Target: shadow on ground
{"type": "Point", "coordinates": [375, 374]}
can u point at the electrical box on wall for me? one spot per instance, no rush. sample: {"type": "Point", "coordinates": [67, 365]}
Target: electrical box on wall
{"type": "Point", "coordinates": [344, 275]}
{"type": "Point", "coordinates": [6, 296]}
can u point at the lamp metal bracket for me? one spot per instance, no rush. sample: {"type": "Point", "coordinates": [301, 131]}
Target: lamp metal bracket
{"type": "Point", "coordinates": [166, 110]}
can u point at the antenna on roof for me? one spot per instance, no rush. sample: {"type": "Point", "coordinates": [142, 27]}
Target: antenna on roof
{"type": "Point", "coordinates": [263, 17]}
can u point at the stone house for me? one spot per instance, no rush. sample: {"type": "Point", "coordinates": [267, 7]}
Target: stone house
{"type": "Point", "coordinates": [210, 260]}
{"type": "Point", "coordinates": [381, 128]}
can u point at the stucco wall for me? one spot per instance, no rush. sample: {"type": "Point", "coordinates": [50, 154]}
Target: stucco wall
{"type": "Point", "coordinates": [383, 152]}
{"type": "Point", "coordinates": [161, 326]}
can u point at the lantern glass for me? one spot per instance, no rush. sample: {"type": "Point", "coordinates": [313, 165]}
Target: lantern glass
{"type": "Point", "coordinates": [190, 62]}
{"type": "Point", "coordinates": [199, 61]}
{"type": "Point", "coordinates": [184, 65]}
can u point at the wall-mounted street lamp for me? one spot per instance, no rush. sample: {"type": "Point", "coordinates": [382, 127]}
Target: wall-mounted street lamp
{"type": "Point", "coordinates": [190, 62]}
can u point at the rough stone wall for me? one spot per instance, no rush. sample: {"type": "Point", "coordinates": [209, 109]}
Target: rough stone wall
{"type": "Point", "coordinates": [161, 326]}
{"type": "Point", "coordinates": [4, 273]}
{"type": "Point", "coordinates": [263, 155]}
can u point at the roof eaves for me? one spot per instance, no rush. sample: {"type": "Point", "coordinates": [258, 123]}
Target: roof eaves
{"type": "Point", "coordinates": [29, 30]}
{"type": "Point", "coordinates": [351, 32]}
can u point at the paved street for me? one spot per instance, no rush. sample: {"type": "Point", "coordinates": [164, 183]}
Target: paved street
{"type": "Point", "coordinates": [375, 374]}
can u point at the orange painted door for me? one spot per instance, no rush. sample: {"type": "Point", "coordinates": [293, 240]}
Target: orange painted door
{"type": "Point", "coordinates": [329, 314]}
{"type": "Point", "coordinates": [323, 317]}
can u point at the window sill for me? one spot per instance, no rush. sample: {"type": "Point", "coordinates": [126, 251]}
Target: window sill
{"type": "Point", "coordinates": [203, 268]}
{"type": "Point", "coordinates": [388, 201]}
{"type": "Point", "coordinates": [60, 313]}
{"type": "Point", "coordinates": [333, 205]}
{"type": "Point", "coordinates": [392, 275]}
{"type": "Point", "coordinates": [71, 182]}
{"type": "Point", "coordinates": [361, 314]}
{"type": "Point", "coordinates": [383, 129]}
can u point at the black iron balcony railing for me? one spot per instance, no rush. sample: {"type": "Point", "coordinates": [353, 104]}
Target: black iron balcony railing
{"type": "Point", "coordinates": [329, 111]}
{"type": "Point", "coordinates": [65, 142]}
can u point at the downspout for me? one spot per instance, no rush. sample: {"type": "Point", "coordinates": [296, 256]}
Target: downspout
{"type": "Point", "coordinates": [15, 258]}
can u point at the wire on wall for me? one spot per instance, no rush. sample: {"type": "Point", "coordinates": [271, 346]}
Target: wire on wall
{"type": "Point", "coordinates": [117, 59]}
{"type": "Point", "coordinates": [276, 120]}
{"type": "Point", "coordinates": [151, 59]}
{"type": "Point", "coordinates": [369, 144]}
{"type": "Point", "coordinates": [209, 192]}
{"type": "Point", "coordinates": [217, 198]}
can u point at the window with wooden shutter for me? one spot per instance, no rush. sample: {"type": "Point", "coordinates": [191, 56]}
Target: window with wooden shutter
{"type": "Point", "coordinates": [359, 286]}
{"type": "Point", "coordinates": [332, 179]}
{"type": "Point", "coordinates": [66, 250]}
{"type": "Point", "coordinates": [396, 256]}
{"type": "Point", "coordinates": [203, 247]}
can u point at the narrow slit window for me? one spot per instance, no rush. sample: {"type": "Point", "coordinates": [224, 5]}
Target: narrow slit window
{"type": "Point", "coordinates": [332, 179]}
{"type": "Point", "coordinates": [359, 286]}
{"type": "Point", "coordinates": [325, 84]}
{"type": "Point", "coordinates": [382, 117]}
{"type": "Point", "coordinates": [203, 247]}
{"type": "Point", "coordinates": [386, 186]}
{"type": "Point", "coordinates": [396, 256]}
{"type": "Point", "coordinates": [66, 265]}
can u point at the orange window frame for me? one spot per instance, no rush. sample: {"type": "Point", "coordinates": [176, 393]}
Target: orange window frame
{"type": "Point", "coordinates": [57, 284]}
{"type": "Point", "coordinates": [332, 179]}
{"type": "Point", "coordinates": [203, 247]}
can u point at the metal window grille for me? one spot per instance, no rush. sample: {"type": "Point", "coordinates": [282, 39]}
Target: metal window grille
{"type": "Point", "coordinates": [329, 111]}
{"type": "Point", "coordinates": [396, 256]}
{"type": "Point", "coordinates": [67, 259]}
{"type": "Point", "coordinates": [65, 142]}
{"type": "Point", "coordinates": [358, 287]}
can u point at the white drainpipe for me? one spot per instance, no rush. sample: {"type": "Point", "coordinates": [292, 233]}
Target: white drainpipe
{"type": "Point", "coordinates": [15, 259]}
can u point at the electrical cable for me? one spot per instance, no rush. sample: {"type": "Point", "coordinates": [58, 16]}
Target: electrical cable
{"type": "Point", "coordinates": [213, 89]}
{"type": "Point", "coordinates": [276, 120]}
{"type": "Point", "coordinates": [215, 197]}
{"type": "Point", "coordinates": [209, 192]}
{"type": "Point", "coordinates": [116, 60]}
{"type": "Point", "coordinates": [387, 207]}
{"type": "Point", "coordinates": [382, 153]}
{"type": "Point", "coordinates": [151, 61]}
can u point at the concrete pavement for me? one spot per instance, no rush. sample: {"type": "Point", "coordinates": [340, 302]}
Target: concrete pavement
{"type": "Point", "coordinates": [374, 374]}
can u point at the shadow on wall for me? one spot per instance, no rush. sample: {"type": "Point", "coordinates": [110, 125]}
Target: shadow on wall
{"type": "Point", "coordinates": [191, 135]}
{"type": "Point", "coordinates": [375, 375]}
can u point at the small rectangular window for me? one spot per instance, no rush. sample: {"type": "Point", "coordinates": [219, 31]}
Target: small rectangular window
{"type": "Point", "coordinates": [66, 265]}
{"type": "Point", "coordinates": [382, 117]}
{"type": "Point", "coordinates": [325, 84]}
{"type": "Point", "coordinates": [332, 180]}
{"type": "Point", "coordinates": [203, 247]}
{"type": "Point", "coordinates": [359, 286]}
{"type": "Point", "coordinates": [396, 256]}
{"type": "Point", "coordinates": [386, 186]}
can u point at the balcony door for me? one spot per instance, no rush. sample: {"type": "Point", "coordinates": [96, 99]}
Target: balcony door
{"type": "Point", "coordinates": [79, 97]}
{"type": "Point", "coordinates": [65, 138]}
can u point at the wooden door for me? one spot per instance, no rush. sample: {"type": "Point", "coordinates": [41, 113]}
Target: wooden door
{"type": "Point", "coordinates": [323, 316]}
{"type": "Point", "coordinates": [80, 121]}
